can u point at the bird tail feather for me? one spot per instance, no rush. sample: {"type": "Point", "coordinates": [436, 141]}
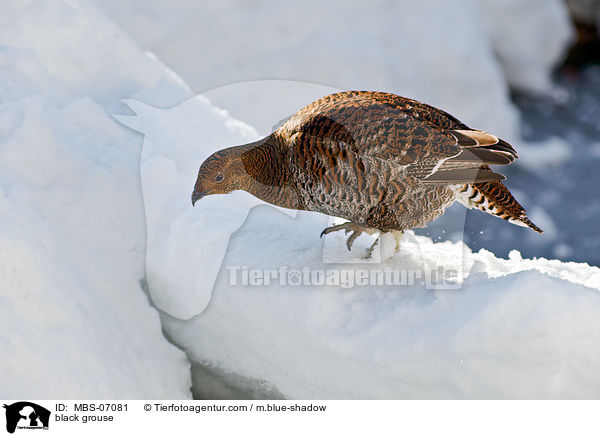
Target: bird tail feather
{"type": "Point", "coordinates": [494, 198]}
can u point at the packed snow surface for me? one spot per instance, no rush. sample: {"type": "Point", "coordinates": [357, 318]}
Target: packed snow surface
{"type": "Point", "coordinates": [74, 322]}
{"type": "Point", "coordinates": [515, 329]}
{"type": "Point", "coordinates": [434, 51]}
{"type": "Point", "coordinates": [185, 248]}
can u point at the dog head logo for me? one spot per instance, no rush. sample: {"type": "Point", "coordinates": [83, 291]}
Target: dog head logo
{"type": "Point", "coordinates": [26, 415]}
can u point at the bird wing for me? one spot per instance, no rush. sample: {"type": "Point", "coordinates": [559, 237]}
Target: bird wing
{"type": "Point", "coordinates": [434, 146]}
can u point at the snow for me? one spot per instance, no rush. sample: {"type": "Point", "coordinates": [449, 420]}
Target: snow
{"type": "Point", "coordinates": [448, 63]}
{"type": "Point", "coordinates": [530, 37]}
{"type": "Point", "coordinates": [515, 329]}
{"type": "Point", "coordinates": [74, 320]}
{"type": "Point", "coordinates": [178, 236]}
{"type": "Point", "coordinates": [89, 219]}
{"type": "Point", "coordinates": [460, 61]}
{"type": "Point", "coordinates": [550, 153]}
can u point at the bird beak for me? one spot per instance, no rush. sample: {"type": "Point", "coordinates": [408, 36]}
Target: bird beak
{"type": "Point", "coordinates": [197, 196]}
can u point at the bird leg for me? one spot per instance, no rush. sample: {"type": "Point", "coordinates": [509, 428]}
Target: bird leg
{"type": "Point", "coordinates": [356, 230]}
{"type": "Point", "coordinates": [398, 236]}
{"type": "Point", "coordinates": [371, 248]}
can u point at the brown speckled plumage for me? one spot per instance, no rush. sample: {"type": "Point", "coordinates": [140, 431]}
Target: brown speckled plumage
{"type": "Point", "coordinates": [381, 161]}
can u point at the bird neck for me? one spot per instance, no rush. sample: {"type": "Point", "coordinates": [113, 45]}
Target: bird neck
{"type": "Point", "coordinates": [266, 172]}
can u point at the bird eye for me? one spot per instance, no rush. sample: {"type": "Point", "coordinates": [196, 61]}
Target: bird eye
{"type": "Point", "coordinates": [219, 178]}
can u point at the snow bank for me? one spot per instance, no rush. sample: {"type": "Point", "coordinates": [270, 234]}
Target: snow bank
{"type": "Point", "coordinates": [530, 38]}
{"type": "Point", "coordinates": [515, 329]}
{"type": "Point", "coordinates": [74, 321]}
{"type": "Point", "coordinates": [453, 324]}
{"type": "Point", "coordinates": [433, 51]}
{"type": "Point", "coordinates": [185, 246]}
{"type": "Point", "coordinates": [456, 55]}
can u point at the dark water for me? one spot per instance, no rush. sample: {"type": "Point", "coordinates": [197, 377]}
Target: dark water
{"type": "Point", "coordinates": [564, 196]}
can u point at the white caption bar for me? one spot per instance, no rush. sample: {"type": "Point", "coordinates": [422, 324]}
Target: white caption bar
{"type": "Point", "coordinates": [301, 417]}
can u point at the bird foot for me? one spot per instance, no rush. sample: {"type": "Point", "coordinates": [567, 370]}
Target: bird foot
{"type": "Point", "coordinates": [398, 237]}
{"type": "Point", "coordinates": [356, 230]}
{"type": "Point", "coordinates": [371, 248]}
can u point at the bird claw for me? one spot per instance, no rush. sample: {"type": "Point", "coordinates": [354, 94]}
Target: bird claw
{"type": "Point", "coordinates": [371, 248]}
{"type": "Point", "coordinates": [348, 227]}
{"type": "Point", "coordinates": [355, 234]}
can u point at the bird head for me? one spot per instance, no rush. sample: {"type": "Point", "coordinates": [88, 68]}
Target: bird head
{"type": "Point", "coordinates": [221, 173]}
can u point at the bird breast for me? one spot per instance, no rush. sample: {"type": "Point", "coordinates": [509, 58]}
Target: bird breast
{"type": "Point", "coordinates": [366, 190]}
